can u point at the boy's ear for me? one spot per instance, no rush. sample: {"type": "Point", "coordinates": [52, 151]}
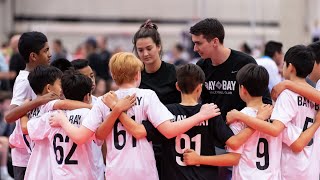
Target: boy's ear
{"type": "Point", "coordinates": [243, 89]}
{"type": "Point", "coordinates": [177, 87]}
{"type": "Point", "coordinates": [87, 98]}
{"type": "Point", "coordinates": [291, 68]}
{"type": "Point", "coordinates": [32, 57]}
{"type": "Point", "coordinates": [199, 87]}
{"type": "Point", "coordinates": [47, 89]}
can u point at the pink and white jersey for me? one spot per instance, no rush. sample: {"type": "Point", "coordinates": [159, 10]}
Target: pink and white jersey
{"type": "Point", "coordinates": [97, 153]}
{"type": "Point", "coordinates": [300, 112]}
{"type": "Point", "coordinates": [21, 91]}
{"type": "Point", "coordinates": [127, 157]}
{"type": "Point", "coordinates": [68, 160]}
{"type": "Point", "coordinates": [39, 156]}
{"type": "Point", "coordinates": [260, 154]}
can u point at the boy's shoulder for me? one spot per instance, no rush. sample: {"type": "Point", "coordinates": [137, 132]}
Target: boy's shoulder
{"type": "Point", "coordinates": [249, 111]}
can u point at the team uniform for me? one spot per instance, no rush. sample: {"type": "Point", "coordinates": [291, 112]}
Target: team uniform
{"type": "Point", "coordinates": [20, 154]}
{"type": "Point", "coordinates": [300, 112]}
{"type": "Point", "coordinates": [97, 153]}
{"type": "Point", "coordinates": [198, 138]}
{"type": "Point", "coordinates": [68, 160]}
{"type": "Point", "coordinates": [127, 157]}
{"type": "Point", "coordinates": [39, 153]}
{"type": "Point", "coordinates": [260, 154]}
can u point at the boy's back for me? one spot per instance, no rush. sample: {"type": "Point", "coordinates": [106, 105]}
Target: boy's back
{"type": "Point", "coordinates": [300, 112]}
{"type": "Point", "coordinates": [127, 156]}
{"type": "Point", "coordinates": [260, 154]}
{"type": "Point", "coordinates": [68, 160]}
{"type": "Point", "coordinates": [200, 138]}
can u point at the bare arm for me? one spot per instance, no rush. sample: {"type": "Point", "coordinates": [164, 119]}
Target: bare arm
{"type": "Point", "coordinates": [79, 135]}
{"type": "Point", "coordinates": [234, 142]}
{"type": "Point", "coordinates": [190, 157]}
{"type": "Point", "coordinates": [306, 136]}
{"type": "Point", "coordinates": [17, 112]}
{"type": "Point", "coordinates": [137, 130]}
{"type": "Point", "coordinates": [118, 106]}
{"type": "Point", "coordinates": [23, 122]}
{"type": "Point", "coordinates": [70, 105]}
{"type": "Point", "coordinates": [300, 88]}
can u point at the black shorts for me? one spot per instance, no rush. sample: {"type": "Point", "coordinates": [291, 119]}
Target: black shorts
{"type": "Point", "coordinates": [19, 172]}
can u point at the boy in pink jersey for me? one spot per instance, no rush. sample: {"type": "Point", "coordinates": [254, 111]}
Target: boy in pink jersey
{"type": "Point", "coordinates": [128, 157]}
{"type": "Point", "coordinates": [67, 159]}
{"type": "Point", "coordinates": [293, 119]}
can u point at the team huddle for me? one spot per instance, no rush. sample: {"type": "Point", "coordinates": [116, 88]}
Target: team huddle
{"type": "Point", "coordinates": [154, 126]}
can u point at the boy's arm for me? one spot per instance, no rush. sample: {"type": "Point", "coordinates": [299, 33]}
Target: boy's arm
{"type": "Point", "coordinates": [305, 90]}
{"type": "Point", "coordinates": [110, 99]}
{"type": "Point", "coordinates": [17, 112]}
{"type": "Point", "coordinates": [135, 129]}
{"type": "Point", "coordinates": [190, 157]}
{"type": "Point", "coordinates": [171, 129]}
{"type": "Point", "coordinates": [306, 136]}
{"type": "Point", "coordinates": [273, 129]}
{"type": "Point", "coordinates": [23, 122]}
{"type": "Point", "coordinates": [79, 135]}
{"type": "Point", "coordinates": [70, 105]}
{"type": "Point", "coordinates": [234, 142]}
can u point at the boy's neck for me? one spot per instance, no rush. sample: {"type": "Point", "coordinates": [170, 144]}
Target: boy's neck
{"type": "Point", "coordinates": [254, 102]}
{"type": "Point", "coordinates": [127, 85]}
{"type": "Point", "coordinates": [189, 99]}
{"type": "Point", "coordinates": [297, 79]}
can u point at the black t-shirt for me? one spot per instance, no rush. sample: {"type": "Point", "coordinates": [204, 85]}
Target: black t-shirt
{"type": "Point", "coordinates": [162, 82]}
{"type": "Point", "coordinates": [221, 86]}
{"type": "Point", "coordinates": [198, 138]}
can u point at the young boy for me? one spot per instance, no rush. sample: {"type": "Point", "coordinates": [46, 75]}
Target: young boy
{"type": "Point", "coordinates": [129, 157]}
{"type": "Point", "coordinates": [33, 46]}
{"type": "Point", "coordinates": [44, 80]}
{"type": "Point", "coordinates": [291, 119]}
{"type": "Point", "coordinates": [199, 138]}
{"type": "Point", "coordinates": [68, 160]}
{"type": "Point", "coordinates": [82, 66]}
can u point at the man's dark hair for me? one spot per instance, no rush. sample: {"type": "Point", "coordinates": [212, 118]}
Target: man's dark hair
{"type": "Point", "coordinates": [75, 86]}
{"type": "Point", "coordinates": [31, 42]}
{"type": "Point", "coordinates": [272, 47]}
{"type": "Point", "coordinates": [189, 76]}
{"type": "Point", "coordinates": [62, 64]}
{"type": "Point", "coordinates": [254, 78]}
{"type": "Point", "coordinates": [42, 76]}
{"type": "Point", "coordinates": [79, 63]}
{"type": "Point", "coordinates": [302, 58]}
{"type": "Point", "coordinates": [315, 47]}
{"type": "Point", "coordinates": [210, 28]}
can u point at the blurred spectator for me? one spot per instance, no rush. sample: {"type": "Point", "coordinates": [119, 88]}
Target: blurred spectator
{"type": "Point", "coordinates": [101, 87]}
{"type": "Point", "coordinates": [79, 53]}
{"type": "Point", "coordinates": [314, 76]}
{"type": "Point", "coordinates": [95, 62]}
{"type": "Point", "coordinates": [244, 47]}
{"type": "Point", "coordinates": [16, 62]}
{"type": "Point", "coordinates": [272, 54]}
{"type": "Point", "coordinates": [102, 48]}
{"type": "Point", "coordinates": [5, 75]}
{"type": "Point", "coordinates": [177, 52]}
{"type": "Point", "coordinates": [58, 51]}
{"type": "Point", "coordinates": [5, 131]}
{"type": "Point", "coordinates": [315, 34]}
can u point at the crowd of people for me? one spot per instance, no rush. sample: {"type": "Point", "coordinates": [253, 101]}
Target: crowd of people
{"type": "Point", "coordinates": [123, 115]}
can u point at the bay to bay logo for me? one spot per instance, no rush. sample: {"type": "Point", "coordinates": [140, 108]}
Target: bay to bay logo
{"type": "Point", "coordinates": [220, 87]}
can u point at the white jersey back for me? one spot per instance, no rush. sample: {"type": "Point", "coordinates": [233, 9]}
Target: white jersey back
{"type": "Point", "coordinates": [260, 154]}
{"type": "Point", "coordinates": [21, 91]}
{"type": "Point", "coordinates": [68, 160]}
{"type": "Point", "coordinates": [300, 112]}
{"type": "Point", "coordinates": [128, 157]}
{"type": "Point", "coordinates": [39, 158]}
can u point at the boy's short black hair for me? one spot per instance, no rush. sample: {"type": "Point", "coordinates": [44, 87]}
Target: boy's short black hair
{"type": "Point", "coordinates": [254, 78]}
{"type": "Point", "coordinates": [62, 64]}
{"type": "Point", "coordinates": [75, 86]}
{"type": "Point", "coordinates": [79, 63]}
{"type": "Point", "coordinates": [302, 58]}
{"type": "Point", "coordinates": [272, 47]}
{"type": "Point", "coordinates": [31, 42]}
{"type": "Point", "coordinates": [43, 75]}
{"type": "Point", "coordinates": [189, 76]}
{"type": "Point", "coordinates": [210, 28]}
{"type": "Point", "coordinates": [315, 47]}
